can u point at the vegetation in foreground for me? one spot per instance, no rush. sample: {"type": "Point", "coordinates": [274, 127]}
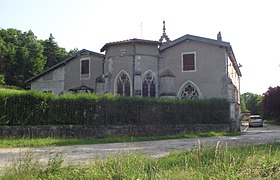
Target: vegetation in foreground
{"type": "Point", "coordinates": [37, 142]}
{"type": "Point", "coordinates": [220, 162]}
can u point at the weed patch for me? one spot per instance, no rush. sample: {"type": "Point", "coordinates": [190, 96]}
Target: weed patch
{"type": "Point", "coordinates": [219, 162]}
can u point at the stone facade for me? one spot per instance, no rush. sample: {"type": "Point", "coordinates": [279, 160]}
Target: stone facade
{"type": "Point", "coordinates": [67, 74]}
{"type": "Point", "coordinates": [190, 67]}
{"type": "Point", "coordinates": [52, 81]}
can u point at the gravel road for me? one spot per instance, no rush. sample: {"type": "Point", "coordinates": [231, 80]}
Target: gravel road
{"type": "Point", "coordinates": [86, 153]}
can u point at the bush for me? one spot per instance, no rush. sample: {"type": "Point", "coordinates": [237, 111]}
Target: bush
{"type": "Point", "coordinates": [2, 79]}
{"type": "Point", "coordinates": [32, 108]}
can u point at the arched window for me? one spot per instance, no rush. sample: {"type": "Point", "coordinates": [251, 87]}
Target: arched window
{"type": "Point", "coordinates": [148, 85]}
{"type": "Point", "coordinates": [189, 91]}
{"type": "Point", "coordinates": [123, 84]}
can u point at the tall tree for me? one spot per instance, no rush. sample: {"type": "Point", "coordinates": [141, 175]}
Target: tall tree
{"type": "Point", "coordinates": [21, 56]}
{"type": "Point", "coordinates": [53, 52]}
{"type": "Point", "coordinates": [271, 102]}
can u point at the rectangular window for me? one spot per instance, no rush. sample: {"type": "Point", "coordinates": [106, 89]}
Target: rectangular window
{"type": "Point", "coordinates": [85, 68]}
{"type": "Point", "coordinates": [188, 61]}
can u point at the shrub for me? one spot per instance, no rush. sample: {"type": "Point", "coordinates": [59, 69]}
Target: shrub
{"type": "Point", "coordinates": [33, 108]}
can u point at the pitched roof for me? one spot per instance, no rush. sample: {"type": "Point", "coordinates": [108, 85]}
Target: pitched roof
{"type": "Point", "coordinates": [65, 61]}
{"type": "Point", "coordinates": [203, 40]}
{"type": "Point", "coordinates": [194, 38]}
{"type": "Point", "coordinates": [129, 41]}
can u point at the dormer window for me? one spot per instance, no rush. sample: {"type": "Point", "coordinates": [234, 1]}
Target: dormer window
{"type": "Point", "coordinates": [188, 61]}
{"type": "Point", "coordinates": [85, 69]}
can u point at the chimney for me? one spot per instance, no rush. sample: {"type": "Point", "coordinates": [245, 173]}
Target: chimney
{"type": "Point", "coordinates": [219, 36]}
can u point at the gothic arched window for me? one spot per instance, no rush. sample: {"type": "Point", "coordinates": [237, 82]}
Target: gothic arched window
{"type": "Point", "coordinates": [148, 85]}
{"type": "Point", "coordinates": [189, 92]}
{"type": "Point", "coordinates": [123, 84]}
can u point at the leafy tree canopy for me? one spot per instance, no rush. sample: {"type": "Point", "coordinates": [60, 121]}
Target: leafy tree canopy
{"type": "Point", "coordinates": [53, 52]}
{"type": "Point", "coordinates": [243, 105]}
{"type": "Point", "coordinates": [252, 102]}
{"type": "Point", "coordinates": [21, 56]}
{"type": "Point", "coordinates": [271, 102]}
{"type": "Point", "coordinates": [72, 52]}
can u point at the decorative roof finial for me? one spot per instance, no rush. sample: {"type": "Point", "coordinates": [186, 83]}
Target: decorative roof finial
{"type": "Point", "coordinates": [164, 36]}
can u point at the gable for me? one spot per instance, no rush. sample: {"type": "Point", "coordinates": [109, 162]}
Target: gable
{"type": "Point", "coordinates": [194, 43]}
{"type": "Point", "coordinates": [63, 63]}
{"type": "Point", "coordinates": [188, 37]}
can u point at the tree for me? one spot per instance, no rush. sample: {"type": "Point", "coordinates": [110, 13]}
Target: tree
{"type": "Point", "coordinates": [253, 102]}
{"type": "Point", "coordinates": [243, 104]}
{"type": "Point", "coordinates": [21, 56]}
{"type": "Point", "coordinates": [53, 52]}
{"type": "Point", "coordinates": [72, 52]}
{"type": "Point", "coordinates": [271, 102]}
{"type": "Point", "coordinates": [2, 77]}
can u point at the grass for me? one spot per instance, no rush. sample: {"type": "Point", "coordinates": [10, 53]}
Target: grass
{"type": "Point", "coordinates": [220, 162]}
{"type": "Point", "coordinates": [37, 142]}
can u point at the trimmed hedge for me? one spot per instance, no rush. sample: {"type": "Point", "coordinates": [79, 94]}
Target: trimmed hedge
{"type": "Point", "coordinates": [31, 108]}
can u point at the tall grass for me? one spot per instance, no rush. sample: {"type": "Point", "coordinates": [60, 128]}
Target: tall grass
{"type": "Point", "coordinates": [220, 162]}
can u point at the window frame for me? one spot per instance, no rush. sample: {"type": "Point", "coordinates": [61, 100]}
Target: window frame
{"type": "Point", "coordinates": [189, 82]}
{"type": "Point", "coordinates": [149, 91]}
{"type": "Point", "coordinates": [116, 87]}
{"type": "Point", "coordinates": [85, 76]}
{"type": "Point", "coordinates": [182, 61]}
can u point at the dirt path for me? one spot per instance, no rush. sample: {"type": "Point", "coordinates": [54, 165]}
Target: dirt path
{"type": "Point", "coordinates": [87, 153]}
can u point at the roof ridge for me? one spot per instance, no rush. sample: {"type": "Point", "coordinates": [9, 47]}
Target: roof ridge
{"type": "Point", "coordinates": [66, 60]}
{"type": "Point", "coordinates": [133, 40]}
{"type": "Point", "coordinates": [195, 38]}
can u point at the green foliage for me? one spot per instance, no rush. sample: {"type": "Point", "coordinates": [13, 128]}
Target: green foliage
{"type": "Point", "coordinates": [20, 56]}
{"type": "Point", "coordinates": [271, 103]}
{"type": "Point", "coordinates": [53, 52]}
{"type": "Point", "coordinates": [250, 162]}
{"type": "Point", "coordinates": [2, 80]}
{"type": "Point", "coordinates": [31, 108]}
{"type": "Point", "coordinates": [252, 102]}
{"type": "Point", "coordinates": [243, 104]}
{"type": "Point", "coordinates": [72, 52]}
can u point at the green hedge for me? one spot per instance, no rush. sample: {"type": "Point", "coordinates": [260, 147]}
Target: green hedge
{"type": "Point", "coordinates": [30, 108]}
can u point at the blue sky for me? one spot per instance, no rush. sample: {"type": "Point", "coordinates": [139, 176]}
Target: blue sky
{"type": "Point", "coordinates": [250, 26]}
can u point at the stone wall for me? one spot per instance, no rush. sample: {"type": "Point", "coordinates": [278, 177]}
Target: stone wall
{"type": "Point", "coordinates": [79, 131]}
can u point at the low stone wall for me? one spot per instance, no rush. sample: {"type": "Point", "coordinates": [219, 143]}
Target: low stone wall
{"type": "Point", "coordinates": [79, 131]}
